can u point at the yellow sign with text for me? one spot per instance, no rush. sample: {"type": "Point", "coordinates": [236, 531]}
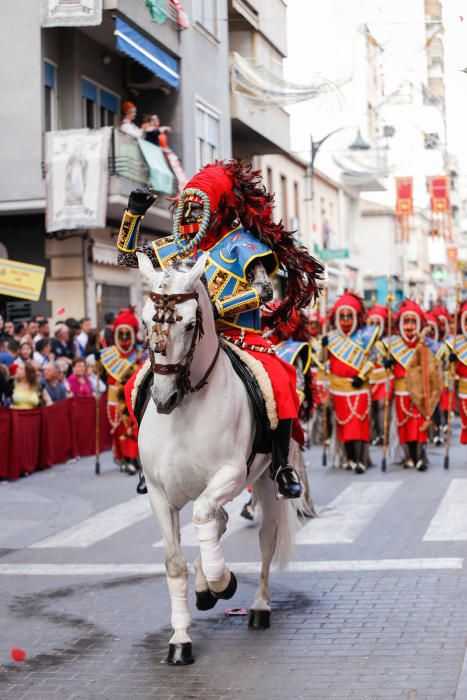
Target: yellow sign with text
{"type": "Point", "coordinates": [21, 280]}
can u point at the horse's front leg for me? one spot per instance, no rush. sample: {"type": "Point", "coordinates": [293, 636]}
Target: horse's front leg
{"type": "Point", "coordinates": [180, 649]}
{"type": "Point", "coordinates": [226, 484]}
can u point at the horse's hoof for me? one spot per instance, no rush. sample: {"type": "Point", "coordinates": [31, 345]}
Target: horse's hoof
{"type": "Point", "coordinates": [180, 654]}
{"type": "Point", "coordinates": [205, 600]}
{"type": "Point", "coordinates": [229, 592]}
{"type": "Point", "coordinates": [259, 619]}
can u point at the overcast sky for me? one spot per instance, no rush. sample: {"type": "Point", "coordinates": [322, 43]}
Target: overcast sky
{"type": "Point", "coordinates": [320, 40]}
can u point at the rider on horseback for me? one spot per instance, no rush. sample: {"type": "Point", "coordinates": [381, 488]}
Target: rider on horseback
{"type": "Point", "coordinates": [225, 211]}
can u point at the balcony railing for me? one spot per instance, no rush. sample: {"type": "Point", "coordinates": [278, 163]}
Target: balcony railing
{"type": "Point", "coordinates": [126, 159]}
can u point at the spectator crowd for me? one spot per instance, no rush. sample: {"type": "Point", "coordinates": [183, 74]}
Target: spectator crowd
{"type": "Point", "coordinates": [39, 367]}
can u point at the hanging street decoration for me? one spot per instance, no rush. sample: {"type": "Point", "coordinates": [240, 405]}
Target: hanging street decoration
{"type": "Point", "coordinates": [440, 206]}
{"type": "Point", "coordinates": [404, 207]}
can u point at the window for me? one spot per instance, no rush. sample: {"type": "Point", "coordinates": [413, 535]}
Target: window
{"type": "Point", "coordinates": [100, 106]}
{"type": "Point", "coordinates": [284, 202]}
{"type": "Point", "coordinates": [296, 199]}
{"type": "Point", "coordinates": [50, 96]}
{"type": "Point", "coordinates": [270, 181]}
{"type": "Point", "coordinates": [206, 14]}
{"type": "Point", "coordinates": [207, 135]}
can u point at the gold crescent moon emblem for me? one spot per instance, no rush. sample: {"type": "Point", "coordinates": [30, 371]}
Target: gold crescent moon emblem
{"type": "Point", "coordinates": [226, 259]}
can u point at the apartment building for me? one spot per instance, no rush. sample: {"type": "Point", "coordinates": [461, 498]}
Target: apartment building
{"type": "Point", "coordinates": [75, 77]}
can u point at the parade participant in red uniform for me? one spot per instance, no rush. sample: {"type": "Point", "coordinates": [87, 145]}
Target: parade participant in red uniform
{"type": "Point", "coordinates": [433, 326]}
{"type": "Point", "coordinates": [291, 341]}
{"type": "Point", "coordinates": [444, 320]}
{"type": "Point", "coordinates": [349, 348]}
{"type": "Point", "coordinates": [226, 212]}
{"type": "Point", "coordinates": [378, 317]}
{"type": "Point", "coordinates": [119, 361]}
{"type": "Point", "coordinates": [417, 383]}
{"type": "Point", "coordinates": [458, 354]}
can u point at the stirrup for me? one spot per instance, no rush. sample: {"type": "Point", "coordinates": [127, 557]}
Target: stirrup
{"type": "Point", "coordinates": [294, 485]}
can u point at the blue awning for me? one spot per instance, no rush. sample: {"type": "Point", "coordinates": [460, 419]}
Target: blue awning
{"type": "Point", "coordinates": [147, 53]}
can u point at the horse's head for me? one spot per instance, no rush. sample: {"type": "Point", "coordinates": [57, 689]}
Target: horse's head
{"type": "Point", "coordinates": [173, 322]}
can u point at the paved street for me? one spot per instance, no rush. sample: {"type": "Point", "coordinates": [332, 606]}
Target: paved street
{"type": "Point", "coordinates": [373, 605]}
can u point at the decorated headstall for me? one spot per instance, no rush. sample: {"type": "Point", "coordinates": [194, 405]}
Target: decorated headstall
{"type": "Point", "coordinates": [165, 306]}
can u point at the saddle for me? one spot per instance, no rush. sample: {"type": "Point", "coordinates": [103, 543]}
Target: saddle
{"type": "Point", "coordinates": [263, 438]}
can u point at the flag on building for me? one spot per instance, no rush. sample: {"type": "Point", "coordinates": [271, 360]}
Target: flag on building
{"type": "Point", "coordinates": [404, 207]}
{"type": "Point", "coordinates": [440, 206]}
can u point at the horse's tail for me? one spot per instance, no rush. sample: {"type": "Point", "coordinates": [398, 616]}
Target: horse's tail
{"type": "Point", "coordinates": [285, 534]}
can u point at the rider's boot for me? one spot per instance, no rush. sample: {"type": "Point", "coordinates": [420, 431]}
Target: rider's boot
{"type": "Point", "coordinates": [285, 478]}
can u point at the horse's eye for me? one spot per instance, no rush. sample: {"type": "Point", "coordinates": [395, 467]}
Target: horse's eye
{"type": "Point", "coordinates": [190, 326]}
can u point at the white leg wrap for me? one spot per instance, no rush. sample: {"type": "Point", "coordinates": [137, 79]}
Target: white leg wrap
{"type": "Point", "coordinates": [212, 557]}
{"type": "Point", "coordinates": [178, 590]}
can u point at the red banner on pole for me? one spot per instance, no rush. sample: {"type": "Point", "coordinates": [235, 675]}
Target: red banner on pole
{"type": "Point", "coordinates": [404, 207]}
{"type": "Point", "coordinates": [440, 206]}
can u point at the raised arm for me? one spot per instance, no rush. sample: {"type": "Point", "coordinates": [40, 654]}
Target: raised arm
{"type": "Point", "coordinates": [127, 243]}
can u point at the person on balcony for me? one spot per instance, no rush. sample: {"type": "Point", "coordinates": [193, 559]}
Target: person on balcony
{"type": "Point", "coordinates": [128, 125]}
{"type": "Point", "coordinates": [154, 132]}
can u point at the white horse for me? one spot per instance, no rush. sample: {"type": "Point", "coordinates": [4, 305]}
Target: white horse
{"type": "Point", "coordinates": [195, 439]}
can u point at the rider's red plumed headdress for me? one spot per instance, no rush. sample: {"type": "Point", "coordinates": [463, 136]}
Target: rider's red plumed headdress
{"type": "Point", "coordinates": [236, 192]}
{"type": "Point", "coordinates": [126, 317]}
{"type": "Point", "coordinates": [355, 302]}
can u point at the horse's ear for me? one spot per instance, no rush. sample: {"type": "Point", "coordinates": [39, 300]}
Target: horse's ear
{"type": "Point", "coordinates": [145, 267]}
{"type": "Point", "coordinates": [197, 270]}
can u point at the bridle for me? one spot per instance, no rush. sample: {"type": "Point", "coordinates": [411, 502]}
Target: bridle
{"type": "Point", "coordinates": [165, 306]}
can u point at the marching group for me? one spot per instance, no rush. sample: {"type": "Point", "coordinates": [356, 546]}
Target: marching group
{"type": "Point", "coordinates": [382, 376]}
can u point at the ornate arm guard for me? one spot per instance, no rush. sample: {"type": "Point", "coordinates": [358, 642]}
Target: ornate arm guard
{"type": "Point", "coordinates": [238, 303]}
{"type": "Point", "coordinates": [127, 240]}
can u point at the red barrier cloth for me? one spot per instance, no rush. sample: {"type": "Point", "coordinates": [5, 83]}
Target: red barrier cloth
{"type": "Point", "coordinates": [5, 442]}
{"type": "Point", "coordinates": [25, 441]}
{"type": "Point", "coordinates": [83, 420]}
{"type": "Point", "coordinates": [56, 442]}
{"type": "Point", "coordinates": [36, 438]}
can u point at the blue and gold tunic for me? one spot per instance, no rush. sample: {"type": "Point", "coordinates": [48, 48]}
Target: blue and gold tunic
{"type": "Point", "coordinates": [226, 269]}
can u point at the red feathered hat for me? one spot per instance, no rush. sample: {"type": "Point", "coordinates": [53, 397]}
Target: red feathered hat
{"type": "Point", "coordinates": [235, 192]}
{"type": "Point", "coordinates": [378, 310]}
{"type": "Point", "coordinates": [412, 307]}
{"type": "Point", "coordinates": [126, 317]}
{"type": "Point", "coordinates": [352, 300]}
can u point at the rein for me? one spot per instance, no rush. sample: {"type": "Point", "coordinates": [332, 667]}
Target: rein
{"type": "Point", "coordinates": [166, 312]}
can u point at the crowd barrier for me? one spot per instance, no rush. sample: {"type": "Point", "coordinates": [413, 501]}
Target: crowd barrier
{"type": "Point", "coordinates": [39, 438]}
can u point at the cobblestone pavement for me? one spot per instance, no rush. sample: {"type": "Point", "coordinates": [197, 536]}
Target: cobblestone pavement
{"type": "Point", "coordinates": [375, 607]}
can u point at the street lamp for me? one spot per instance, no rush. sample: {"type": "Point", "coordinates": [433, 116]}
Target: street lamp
{"type": "Point", "coordinates": [358, 145]}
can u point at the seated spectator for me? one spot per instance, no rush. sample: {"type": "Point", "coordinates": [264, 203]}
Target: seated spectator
{"type": "Point", "coordinates": [92, 368]}
{"type": "Point", "coordinates": [32, 329]}
{"type": "Point", "coordinates": [43, 353]}
{"type": "Point", "coordinates": [25, 353]}
{"type": "Point", "coordinates": [91, 345]}
{"type": "Point", "coordinates": [128, 125]}
{"type": "Point", "coordinates": [8, 330]}
{"type": "Point", "coordinates": [78, 380]}
{"type": "Point", "coordinates": [6, 386]}
{"type": "Point", "coordinates": [53, 384]}
{"type": "Point", "coordinates": [82, 337]}
{"type": "Point", "coordinates": [60, 344]}
{"type": "Point", "coordinates": [19, 331]}
{"type": "Point", "coordinates": [43, 332]}
{"type": "Point", "coordinates": [153, 130]}
{"type": "Point", "coordinates": [27, 392]}
{"type": "Point", "coordinates": [9, 353]}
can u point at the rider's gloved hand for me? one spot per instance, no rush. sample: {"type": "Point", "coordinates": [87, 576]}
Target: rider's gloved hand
{"type": "Point", "coordinates": [452, 357]}
{"type": "Point", "coordinates": [324, 341]}
{"type": "Point", "coordinates": [357, 382]}
{"type": "Point", "coordinates": [388, 362]}
{"type": "Point", "coordinates": [140, 200]}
